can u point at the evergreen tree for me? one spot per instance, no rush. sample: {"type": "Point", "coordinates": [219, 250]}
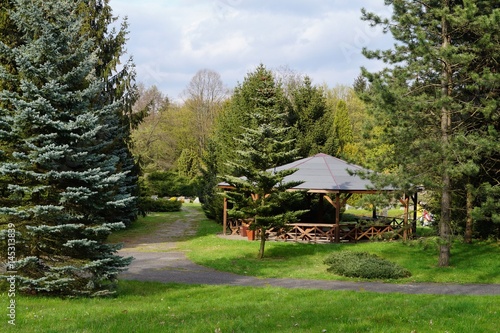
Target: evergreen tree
{"type": "Point", "coordinates": [260, 190]}
{"type": "Point", "coordinates": [360, 85]}
{"type": "Point", "coordinates": [119, 87]}
{"type": "Point", "coordinates": [425, 99]}
{"type": "Point", "coordinates": [210, 196]}
{"type": "Point", "coordinates": [61, 170]}
{"type": "Point", "coordinates": [342, 128]}
{"type": "Point", "coordinates": [221, 147]}
{"type": "Point", "coordinates": [311, 120]}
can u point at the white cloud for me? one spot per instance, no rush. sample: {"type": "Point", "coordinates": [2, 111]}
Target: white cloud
{"type": "Point", "coordinates": [171, 40]}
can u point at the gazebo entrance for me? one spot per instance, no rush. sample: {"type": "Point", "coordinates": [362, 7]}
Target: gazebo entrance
{"type": "Point", "coordinates": [334, 181]}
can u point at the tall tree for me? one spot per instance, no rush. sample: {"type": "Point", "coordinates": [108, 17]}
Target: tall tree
{"type": "Point", "coordinates": [204, 95]}
{"type": "Point", "coordinates": [119, 78]}
{"type": "Point", "coordinates": [342, 128]}
{"type": "Point", "coordinates": [424, 98]}
{"type": "Point", "coordinates": [312, 120]}
{"type": "Point", "coordinates": [260, 190]}
{"type": "Point", "coordinates": [63, 171]}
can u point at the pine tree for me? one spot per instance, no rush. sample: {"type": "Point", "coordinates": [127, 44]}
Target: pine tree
{"type": "Point", "coordinates": [61, 170]}
{"type": "Point", "coordinates": [260, 190]}
{"type": "Point", "coordinates": [425, 99]}
{"type": "Point", "coordinates": [311, 120]}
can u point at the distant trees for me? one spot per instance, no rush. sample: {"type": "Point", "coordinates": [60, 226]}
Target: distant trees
{"type": "Point", "coordinates": [438, 103]}
{"type": "Point", "coordinates": [204, 97]}
{"type": "Point", "coordinates": [67, 177]}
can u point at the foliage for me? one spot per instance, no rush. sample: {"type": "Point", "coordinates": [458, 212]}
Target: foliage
{"type": "Point", "coordinates": [311, 120]}
{"type": "Point", "coordinates": [188, 164]}
{"type": "Point", "coordinates": [204, 97]}
{"type": "Point", "coordinates": [210, 196]}
{"type": "Point", "coordinates": [342, 128]}
{"type": "Point", "coordinates": [352, 126]}
{"type": "Point", "coordinates": [437, 101]}
{"type": "Point", "coordinates": [149, 205]}
{"type": "Point", "coordinates": [259, 190]}
{"type": "Point", "coordinates": [66, 177]}
{"type": "Point", "coordinates": [164, 134]}
{"type": "Point", "coordinates": [364, 265]}
{"type": "Point", "coordinates": [118, 75]}
{"type": "Point", "coordinates": [169, 184]}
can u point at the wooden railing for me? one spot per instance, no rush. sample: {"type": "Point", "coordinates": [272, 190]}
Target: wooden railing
{"type": "Point", "coordinates": [365, 229]}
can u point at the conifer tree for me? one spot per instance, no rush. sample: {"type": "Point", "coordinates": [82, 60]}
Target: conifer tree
{"type": "Point", "coordinates": [311, 120]}
{"type": "Point", "coordinates": [61, 170]}
{"type": "Point", "coordinates": [119, 80]}
{"type": "Point", "coordinates": [260, 190]}
{"type": "Point", "coordinates": [342, 128]}
{"type": "Point", "coordinates": [440, 90]}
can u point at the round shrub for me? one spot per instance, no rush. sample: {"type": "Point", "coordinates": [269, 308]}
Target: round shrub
{"type": "Point", "coordinates": [148, 205]}
{"type": "Point", "coordinates": [364, 265]}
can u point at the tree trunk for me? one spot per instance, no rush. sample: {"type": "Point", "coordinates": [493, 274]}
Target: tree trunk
{"type": "Point", "coordinates": [262, 243]}
{"type": "Point", "coordinates": [468, 222]}
{"type": "Point", "coordinates": [444, 223]}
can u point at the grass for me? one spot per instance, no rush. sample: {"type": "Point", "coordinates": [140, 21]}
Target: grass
{"type": "Point", "coordinates": [394, 212]}
{"type": "Point", "coordinates": [145, 226]}
{"type": "Point", "coordinates": [154, 307]}
{"type": "Point", "coordinates": [477, 263]}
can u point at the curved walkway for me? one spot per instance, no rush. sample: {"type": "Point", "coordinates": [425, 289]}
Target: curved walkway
{"type": "Point", "coordinates": [157, 260]}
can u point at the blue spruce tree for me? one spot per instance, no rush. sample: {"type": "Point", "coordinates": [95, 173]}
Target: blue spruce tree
{"type": "Point", "coordinates": [60, 171]}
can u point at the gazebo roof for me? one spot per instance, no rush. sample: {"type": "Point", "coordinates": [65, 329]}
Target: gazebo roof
{"type": "Point", "coordinates": [323, 173]}
{"type": "Point", "coordinates": [327, 174]}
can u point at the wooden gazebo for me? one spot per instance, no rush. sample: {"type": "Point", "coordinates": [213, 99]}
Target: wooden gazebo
{"type": "Point", "coordinates": [328, 177]}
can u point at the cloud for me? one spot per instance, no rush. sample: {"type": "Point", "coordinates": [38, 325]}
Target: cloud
{"type": "Point", "coordinates": [171, 40]}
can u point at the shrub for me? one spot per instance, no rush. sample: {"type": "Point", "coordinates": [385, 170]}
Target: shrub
{"type": "Point", "coordinates": [148, 205]}
{"type": "Point", "coordinates": [169, 183]}
{"type": "Point", "coordinates": [364, 265]}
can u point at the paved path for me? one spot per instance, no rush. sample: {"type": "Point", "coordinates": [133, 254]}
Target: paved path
{"type": "Point", "coordinates": [156, 259]}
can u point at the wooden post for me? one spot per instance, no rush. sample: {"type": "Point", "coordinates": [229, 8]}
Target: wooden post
{"type": "Point", "coordinates": [337, 218]}
{"type": "Point", "coordinates": [321, 207]}
{"type": "Point", "coordinates": [405, 201]}
{"type": "Point", "coordinates": [224, 217]}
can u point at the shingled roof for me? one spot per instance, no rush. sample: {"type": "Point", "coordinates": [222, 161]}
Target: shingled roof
{"type": "Point", "coordinates": [323, 173]}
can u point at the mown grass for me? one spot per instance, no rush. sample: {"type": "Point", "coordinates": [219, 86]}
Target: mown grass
{"type": "Point", "coordinates": [476, 263]}
{"type": "Point", "coordinates": [155, 307]}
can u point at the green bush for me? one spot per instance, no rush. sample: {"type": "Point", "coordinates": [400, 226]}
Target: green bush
{"type": "Point", "coordinates": [364, 265]}
{"type": "Point", "coordinates": [169, 183]}
{"type": "Point", "coordinates": [148, 205]}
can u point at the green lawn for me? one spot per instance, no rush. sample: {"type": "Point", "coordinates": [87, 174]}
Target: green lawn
{"type": "Point", "coordinates": [477, 263]}
{"type": "Point", "coordinates": [154, 307]}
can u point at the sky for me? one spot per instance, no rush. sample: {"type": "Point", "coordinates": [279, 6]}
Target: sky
{"type": "Point", "coordinates": [170, 40]}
